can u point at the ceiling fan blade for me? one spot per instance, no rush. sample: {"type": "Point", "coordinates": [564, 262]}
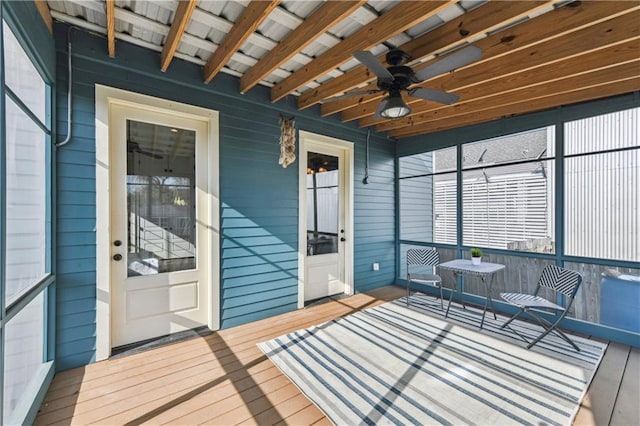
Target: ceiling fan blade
{"type": "Point", "coordinates": [455, 60]}
{"type": "Point", "coordinates": [350, 94]}
{"type": "Point", "coordinates": [367, 59]}
{"type": "Point", "coordinates": [434, 95]}
{"type": "Point", "coordinates": [135, 148]}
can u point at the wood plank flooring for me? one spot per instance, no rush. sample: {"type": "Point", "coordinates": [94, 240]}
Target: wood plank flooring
{"type": "Point", "coordinates": [224, 379]}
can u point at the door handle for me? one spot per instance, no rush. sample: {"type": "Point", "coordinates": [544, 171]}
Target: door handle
{"type": "Point", "coordinates": [117, 257]}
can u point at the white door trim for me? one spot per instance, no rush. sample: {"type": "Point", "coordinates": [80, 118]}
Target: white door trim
{"type": "Point", "coordinates": [104, 97]}
{"type": "Point", "coordinates": [307, 141]}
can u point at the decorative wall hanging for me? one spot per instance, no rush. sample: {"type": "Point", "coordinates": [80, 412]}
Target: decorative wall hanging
{"type": "Point", "coordinates": [287, 141]}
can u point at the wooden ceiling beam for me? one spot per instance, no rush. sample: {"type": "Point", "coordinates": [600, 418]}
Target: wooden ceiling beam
{"type": "Point", "coordinates": [247, 23]}
{"type": "Point", "coordinates": [401, 17]}
{"type": "Point", "coordinates": [325, 17]}
{"type": "Point", "coordinates": [110, 6]}
{"type": "Point", "coordinates": [571, 83]}
{"type": "Point", "coordinates": [489, 16]}
{"type": "Point", "coordinates": [178, 26]}
{"type": "Point", "coordinates": [488, 93]}
{"type": "Point", "coordinates": [45, 13]}
{"type": "Point", "coordinates": [610, 86]}
{"type": "Point", "coordinates": [500, 47]}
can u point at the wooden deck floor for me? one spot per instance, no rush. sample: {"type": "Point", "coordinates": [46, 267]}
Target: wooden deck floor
{"type": "Point", "coordinates": [225, 379]}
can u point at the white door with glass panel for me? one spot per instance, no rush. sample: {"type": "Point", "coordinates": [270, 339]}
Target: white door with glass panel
{"type": "Point", "coordinates": [325, 218]}
{"type": "Point", "coordinates": [158, 202]}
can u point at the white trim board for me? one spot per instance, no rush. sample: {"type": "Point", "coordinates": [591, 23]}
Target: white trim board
{"type": "Point", "coordinates": [308, 139]}
{"type": "Point", "coordinates": [105, 96]}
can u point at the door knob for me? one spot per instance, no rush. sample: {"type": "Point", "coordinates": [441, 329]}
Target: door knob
{"type": "Point", "coordinates": [117, 243]}
{"type": "Point", "coordinates": [343, 239]}
{"type": "Point", "coordinates": [117, 257]}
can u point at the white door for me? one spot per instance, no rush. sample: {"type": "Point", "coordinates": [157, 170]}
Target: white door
{"type": "Point", "coordinates": [159, 210]}
{"type": "Point", "coordinates": [325, 222]}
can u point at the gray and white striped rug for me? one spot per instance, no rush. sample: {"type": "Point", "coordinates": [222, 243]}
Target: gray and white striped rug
{"type": "Point", "coordinates": [397, 365]}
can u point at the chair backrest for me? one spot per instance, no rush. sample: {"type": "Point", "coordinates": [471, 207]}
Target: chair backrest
{"type": "Point", "coordinates": [564, 281]}
{"type": "Point", "coordinates": [423, 257]}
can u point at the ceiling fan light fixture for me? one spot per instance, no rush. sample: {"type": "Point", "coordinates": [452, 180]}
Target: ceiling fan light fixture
{"type": "Point", "coordinates": [394, 107]}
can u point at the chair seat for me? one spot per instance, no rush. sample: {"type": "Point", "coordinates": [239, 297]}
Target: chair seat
{"type": "Point", "coordinates": [529, 301]}
{"type": "Point", "coordinates": [425, 278]}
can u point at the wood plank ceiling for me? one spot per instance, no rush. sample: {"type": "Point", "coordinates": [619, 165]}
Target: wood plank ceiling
{"type": "Point", "coordinates": [536, 54]}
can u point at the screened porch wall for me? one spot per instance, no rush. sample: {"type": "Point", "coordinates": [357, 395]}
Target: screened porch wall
{"type": "Point", "coordinates": [259, 199]}
{"type": "Point", "coordinates": [585, 205]}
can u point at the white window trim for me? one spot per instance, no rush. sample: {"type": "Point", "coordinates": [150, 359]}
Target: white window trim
{"type": "Point", "coordinates": [104, 97]}
{"type": "Point", "coordinates": [307, 138]}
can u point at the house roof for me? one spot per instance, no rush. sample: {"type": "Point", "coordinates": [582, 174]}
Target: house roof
{"type": "Point", "coordinates": [535, 54]}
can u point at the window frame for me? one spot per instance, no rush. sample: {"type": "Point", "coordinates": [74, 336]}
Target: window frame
{"type": "Point", "coordinates": [432, 175]}
{"type": "Point", "coordinates": [460, 136]}
{"type": "Point", "coordinates": [460, 170]}
{"type": "Point", "coordinates": [578, 258]}
{"type": "Point", "coordinates": [46, 285]}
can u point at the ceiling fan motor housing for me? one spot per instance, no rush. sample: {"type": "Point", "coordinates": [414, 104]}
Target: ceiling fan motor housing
{"type": "Point", "coordinates": [397, 57]}
{"type": "Point", "coordinates": [403, 77]}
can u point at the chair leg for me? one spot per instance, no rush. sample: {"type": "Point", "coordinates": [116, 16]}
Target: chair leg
{"type": "Point", "coordinates": [441, 297]}
{"type": "Point", "coordinates": [408, 291]}
{"type": "Point", "coordinates": [566, 338]}
{"type": "Point", "coordinates": [446, 314]}
{"type": "Point", "coordinates": [512, 318]}
{"type": "Point", "coordinates": [506, 324]}
{"type": "Point", "coordinates": [549, 327]}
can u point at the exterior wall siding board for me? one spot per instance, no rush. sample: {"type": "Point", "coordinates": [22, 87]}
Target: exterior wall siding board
{"type": "Point", "coordinates": [259, 207]}
{"type": "Point", "coordinates": [251, 289]}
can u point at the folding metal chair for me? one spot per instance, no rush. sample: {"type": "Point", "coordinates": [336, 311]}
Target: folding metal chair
{"type": "Point", "coordinates": [419, 263]}
{"type": "Point", "coordinates": [560, 280]}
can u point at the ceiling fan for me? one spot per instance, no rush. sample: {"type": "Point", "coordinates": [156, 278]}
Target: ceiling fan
{"type": "Point", "coordinates": [398, 77]}
{"type": "Point", "coordinates": [135, 147]}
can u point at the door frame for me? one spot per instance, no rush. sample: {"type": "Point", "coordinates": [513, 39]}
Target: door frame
{"type": "Point", "coordinates": [309, 141]}
{"type": "Point", "coordinates": [105, 97]}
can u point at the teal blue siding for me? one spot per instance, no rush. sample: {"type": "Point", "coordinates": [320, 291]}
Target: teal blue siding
{"type": "Point", "coordinates": [374, 216]}
{"type": "Point", "coordinates": [259, 199]}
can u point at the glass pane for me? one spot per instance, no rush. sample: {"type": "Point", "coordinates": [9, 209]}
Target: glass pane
{"type": "Point", "coordinates": [445, 226]}
{"type": "Point", "coordinates": [444, 160]}
{"type": "Point", "coordinates": [428, 208]}
{"type": "Point", "coordinates": [416, 209]}
{"type": "Point", "coordinates": [22, 77]}
{"type": "Point", "coordinates": [602, 205]}
{"type": "Point", "coordinates": [160, 199]}
{"type": "Point", "coordinates": [508, 149]}
{"type": "Point", "coordinates": [428, 162]}
{"type": "Point", "coordinates": [26, 170]}
{"type": "Point", "coordinates": [23, 354]}
{"type": "Point", "coordinates": [322, 204]}
{"type": "Point", "coordinates": [609, 131]}
{"type": "Point", "coordinates": [510, 207]}
{"type": "Point", "coordinates": [415, 165]}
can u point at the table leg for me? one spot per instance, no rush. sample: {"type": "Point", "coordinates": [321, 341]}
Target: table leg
{"type": "Point", "coordinates": [454, 290]}
{"type": "Point", "coordinates": [488, 300]}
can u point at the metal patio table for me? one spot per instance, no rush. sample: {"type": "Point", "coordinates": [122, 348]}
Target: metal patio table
{"type": "Point", "coordinates": [485, 271]}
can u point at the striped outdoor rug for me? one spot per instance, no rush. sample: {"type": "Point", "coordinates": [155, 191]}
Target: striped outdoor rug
{"type": "Point", "coordinates": [397, 365]}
